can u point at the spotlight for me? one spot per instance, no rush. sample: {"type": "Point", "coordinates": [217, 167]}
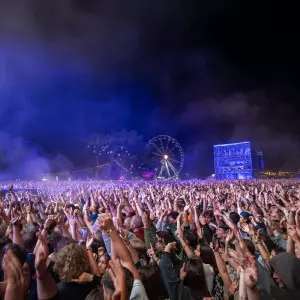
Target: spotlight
{"type": "Point", "coordinates": [166, 156]}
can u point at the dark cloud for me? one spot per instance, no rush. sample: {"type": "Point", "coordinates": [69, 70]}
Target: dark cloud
{"type": "Point", "coordinates": [235, 107]}
{"type": "Point", "coordinates": [249, 117]}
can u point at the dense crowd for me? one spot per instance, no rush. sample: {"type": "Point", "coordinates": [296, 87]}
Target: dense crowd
{"type": "Point", "coordinates": [150, 240]}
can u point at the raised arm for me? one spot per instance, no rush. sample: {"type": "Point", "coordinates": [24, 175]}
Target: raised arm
{"type": "Point", "coordinates": [93, 264]}
{"type": "Point", "coordinates": [134, 253]}
{"type": "Point", "coordinates": [168, 273]}
{"type": "Point", "coordinates": [227, 220]}
{"type": "Point", "coordinates": [93, 202]}
{"type": "Point", "coordinates": [60, 221]}
{"type": "Point", "coordinates": [261, 248]}
{"type": "Point", "coordinates": [291, 223]}
{"type": "Point", "coordinates": [16, 286]}
{"type": "Point", "coordinates": [3, 215]}
{"type": "Point", "coordinates": [119, 248]}
{"type": "Point", "coordinates": [46, 287]}
{"type": "Point", "coordinates": [17, 237]}
{"type": "Point", "coordinates": [184, 245]}
{"type": "Point", "coordinates": [221, 265]}
{"type": "Point", "coordinates": [119, 214]}
{"type": "Point", "coordinates": [251, 280]}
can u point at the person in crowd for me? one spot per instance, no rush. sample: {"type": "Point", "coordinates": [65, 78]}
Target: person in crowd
{"type": "Point", "coordinates": [183, 240]}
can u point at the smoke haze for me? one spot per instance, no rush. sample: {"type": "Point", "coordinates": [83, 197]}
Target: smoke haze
{"type": "Point", "coordinates": [72, 68]}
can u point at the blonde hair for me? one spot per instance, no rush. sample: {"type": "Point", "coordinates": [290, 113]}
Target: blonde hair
{"type": "Point", "coordinates": [71, 262]}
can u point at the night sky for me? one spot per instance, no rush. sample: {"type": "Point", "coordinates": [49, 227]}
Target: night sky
{"type": "Point", "coordinates": [204, 72]}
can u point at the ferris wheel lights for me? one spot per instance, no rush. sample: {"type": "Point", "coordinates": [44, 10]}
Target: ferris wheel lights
{"type": "Point", "coordinates": [166, 156]}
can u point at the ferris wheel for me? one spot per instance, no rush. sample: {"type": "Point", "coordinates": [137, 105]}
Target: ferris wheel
{"type": "Point", "coordinates": [165, 157]}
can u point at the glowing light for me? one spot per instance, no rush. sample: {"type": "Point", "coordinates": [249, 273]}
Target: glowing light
{"type": "Point", "coordinates": [166, 156]}
{"type": "Point", "coordinates": [233, 161]}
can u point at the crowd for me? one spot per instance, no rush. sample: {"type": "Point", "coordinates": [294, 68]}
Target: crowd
{"type": "Point", "coordinates": [150, 240]}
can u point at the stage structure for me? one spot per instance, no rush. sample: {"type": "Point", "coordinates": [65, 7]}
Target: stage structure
{"type": "Point", "coordinates": [233, 161]}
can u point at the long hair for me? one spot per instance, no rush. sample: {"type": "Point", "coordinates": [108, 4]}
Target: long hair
{"type": "Point", "coordinates": [208, 257]}
{"type": "Point", "coordinates": [195, 278]}
{"type": "Point", "coordinates": [152, 282]}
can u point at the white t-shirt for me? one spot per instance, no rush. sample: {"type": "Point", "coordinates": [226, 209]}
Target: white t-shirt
{"type": "Point", "coordinates": [209, 277]}
{"type": "Point", "coordinates": [138, 291]}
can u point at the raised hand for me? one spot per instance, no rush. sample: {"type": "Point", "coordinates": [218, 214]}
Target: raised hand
{"type": "Point", "coordinates": [42, 253]}
{"type": "Point", "coordinates": [151, 253]}
{"type": "Point", "coordinates": [252, 220]}
{"type": "Point", "coordinates": [251, 276]}
{"type": "Point", "coordinates": [146, 219]}
{"type": "Point", "coordinates": [72, 223]}
{"type": "Point", "coordinates": [247, 228]}
{"type": "Point", "coordinates": [59, 219]}
{"type": "Point", "coordinates": [50, 221]}
{"type": "Point", "coordinates": [292, 232]}
{"type": "Point", "coordinates": [8, 231]}
{"type": "Point", "coordinates": [89, 242]}
{"type": "Point", "coordinates": [124, 235]}
{"type": "Point", "coordinates": [84, 278]}
{"type": "Point", "coordinates": [68, 212]}
{"type": "Point", "coordinates": [229, 237]}
{"type": "Point", "coordinates": [170, 247]}
{"type": "Point", "coordinates": [239, 258]}
{"type": "Point", "coordinates": [121, 206]}
{"type": "Point", "coordinates": [105, 222]}
{"type": "Point", "coordinates": [215, 247]}
{"type": "Point", "coordinates": [16, 221]}
{"type": "Point", "coordinates": [187, 207]}
{"type": "Point", "coordinates": [15, 279]}
{"type": "Point", "coordinates": [118, 277]}
{"type": "Point", "coordinates": [217, 213]}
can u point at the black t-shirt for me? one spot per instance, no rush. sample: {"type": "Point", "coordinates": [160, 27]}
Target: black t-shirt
{"type": "Point", "coordinates": [72, 290]}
